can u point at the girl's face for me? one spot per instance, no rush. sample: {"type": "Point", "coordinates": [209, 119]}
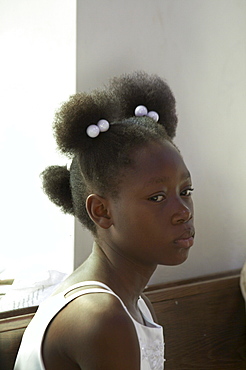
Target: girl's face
{"type": "Point", "coordinates": [153, 214]}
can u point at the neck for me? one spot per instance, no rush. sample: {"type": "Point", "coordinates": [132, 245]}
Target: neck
{"type": "Point", "coordinates": [125, 277]}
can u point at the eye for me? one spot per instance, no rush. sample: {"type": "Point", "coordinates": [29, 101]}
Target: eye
{"type": "Point", "coordinates": [157, 198]}
{"type": "Point", "coordinates": [187, 192]}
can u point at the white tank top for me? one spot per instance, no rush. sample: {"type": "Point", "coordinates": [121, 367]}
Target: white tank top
{"type": "Point", "coordinates": [150, 335]}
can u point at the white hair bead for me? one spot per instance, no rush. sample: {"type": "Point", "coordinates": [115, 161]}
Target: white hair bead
{"type": "Point", "coordinates": [154, 115]}
{"type": "Point", "coordinates": [140, 111]}
{"type": "Point", "coordinates": [93, 131]}
{"type": "Point", "coordinates": [103, 125]}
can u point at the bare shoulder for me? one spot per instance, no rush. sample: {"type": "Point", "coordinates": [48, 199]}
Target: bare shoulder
{"type": "Point", "coordinates": [92, 332]}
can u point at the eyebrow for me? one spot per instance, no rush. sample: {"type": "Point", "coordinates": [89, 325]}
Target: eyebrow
{"type": "Point", "coordinates": [159, 180]}
{"type": "Point", "coordinates": [186, 175]}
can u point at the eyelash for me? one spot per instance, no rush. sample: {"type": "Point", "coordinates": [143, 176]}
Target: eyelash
{"type": "Point", "coordinates": [184, 193]}
{"type": "Point", "coordinates": [154, 198]}
{"type": "Point", "coordinates": [190, 190]}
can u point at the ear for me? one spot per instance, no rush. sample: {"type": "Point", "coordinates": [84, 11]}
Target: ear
{"type": "Point", "coordinates": [98, 210]}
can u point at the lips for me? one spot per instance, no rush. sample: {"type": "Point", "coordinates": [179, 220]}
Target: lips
{"type": "Point", "coordinates": [186, 239]}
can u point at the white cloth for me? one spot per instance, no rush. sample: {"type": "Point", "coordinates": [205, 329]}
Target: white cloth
{"type": "Point", "coordinates": [243, 281]}
{"type": "Point", "coordinates": [150, 337]}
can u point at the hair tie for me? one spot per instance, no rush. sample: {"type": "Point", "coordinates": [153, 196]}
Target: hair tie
{"type": "Point", "coordinates": [141, 111]}
{"type": "Point", "coordinates": [94, 130]}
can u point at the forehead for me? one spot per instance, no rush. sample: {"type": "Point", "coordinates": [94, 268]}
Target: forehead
{"type": "Point", "coordinates": [157, 162]}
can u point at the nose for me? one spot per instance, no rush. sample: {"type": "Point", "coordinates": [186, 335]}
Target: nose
{"type": "Point", "coordinates": [182, 214]}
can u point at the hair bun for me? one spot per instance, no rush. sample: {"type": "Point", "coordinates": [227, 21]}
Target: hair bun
{"type": "Point", "coordinates": [56, 184]}
{"type": "Point", "coordinates": [77, 114]}
{"type": "Point", "coordinates": [151, 91]}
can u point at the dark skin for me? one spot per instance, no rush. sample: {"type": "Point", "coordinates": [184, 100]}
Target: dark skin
{"type": "Point", "coordinates": [150, 223]}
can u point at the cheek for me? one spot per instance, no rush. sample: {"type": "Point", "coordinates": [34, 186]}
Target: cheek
{"type": "Point", "coordinates": [131, 223]}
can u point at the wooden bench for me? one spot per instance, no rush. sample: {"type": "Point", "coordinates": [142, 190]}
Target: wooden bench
{"type": "Point", "coordinates": [12, 327]}
{"type": "Point", "coordinates": [204, 322]}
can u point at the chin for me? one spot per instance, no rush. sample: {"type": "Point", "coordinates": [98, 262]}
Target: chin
{"type": "Point", "coordinates": [177, 260]}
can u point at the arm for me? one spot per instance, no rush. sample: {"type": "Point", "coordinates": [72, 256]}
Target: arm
{"type": "Point", "coordinates": [92, 332]}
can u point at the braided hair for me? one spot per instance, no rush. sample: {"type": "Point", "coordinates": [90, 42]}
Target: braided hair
{"type": "Point", "coordinates": [98, 163]}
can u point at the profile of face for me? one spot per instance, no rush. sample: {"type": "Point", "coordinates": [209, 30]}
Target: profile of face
{"type": "Point", "coordinates": [153, 214]}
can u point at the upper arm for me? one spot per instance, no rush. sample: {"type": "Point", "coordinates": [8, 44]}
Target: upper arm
{"type": "Point", "coordinates": [96, 334]}
{"type": "Point", "coordinates": [111, 344]}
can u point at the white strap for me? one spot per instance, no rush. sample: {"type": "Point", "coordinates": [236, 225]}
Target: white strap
{"type": "Point", "coordinates": [98, 287]}
{"type": "Point", "coordinates": [84, 284]}
{"type": "Point", "coordinates": [88, 291]}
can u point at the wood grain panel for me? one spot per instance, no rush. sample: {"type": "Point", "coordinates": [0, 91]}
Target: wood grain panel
{"type": "Point", "coordinates": [204, 324]}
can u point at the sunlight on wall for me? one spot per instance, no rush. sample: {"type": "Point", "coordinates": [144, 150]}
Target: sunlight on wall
{"type": "Point", "coordinates": [37, 72]}
{"type": "Point", "coordinates": [199, 47]}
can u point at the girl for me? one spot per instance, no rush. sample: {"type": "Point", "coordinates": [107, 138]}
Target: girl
{"type": "Point", "coordinates": [129, 185]}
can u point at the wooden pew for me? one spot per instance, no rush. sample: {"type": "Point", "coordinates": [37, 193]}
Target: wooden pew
{"type": "Point", "coordinates": [204, 322]}
{"type": "Point", "coordinates": [12, 327]}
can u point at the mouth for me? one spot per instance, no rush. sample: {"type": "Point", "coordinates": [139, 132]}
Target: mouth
{"type": "Point", "coordinates": [185, 240]}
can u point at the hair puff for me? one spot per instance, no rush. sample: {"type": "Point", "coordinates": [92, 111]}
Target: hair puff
{"type": "Point", "coordinates": [75, 115]}
{"type": "Point", "coordinates": [56, 185]}
{"type": "Point", "coordinates": [139, 88]}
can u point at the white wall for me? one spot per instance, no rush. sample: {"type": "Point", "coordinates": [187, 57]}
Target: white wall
{"type": "Point", "coordinates": [199, 47]}
{"type": "Point", "coordinates": [37, 72]}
